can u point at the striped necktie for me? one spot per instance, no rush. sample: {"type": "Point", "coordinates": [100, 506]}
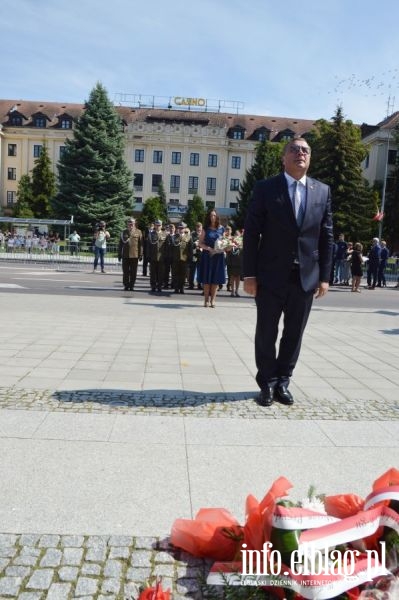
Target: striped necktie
{"type": "Point", "coordinates": [298, 204]}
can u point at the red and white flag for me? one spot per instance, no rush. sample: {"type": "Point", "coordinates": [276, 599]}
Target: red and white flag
{"type": "Point", "coordinates": [378, 216]}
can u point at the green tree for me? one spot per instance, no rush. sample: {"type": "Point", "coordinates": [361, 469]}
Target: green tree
{"type": "Point", "coordinates": [337, 154]}
{"type": "Point", "coordinates": [195, 212]}
{"type": "Point", "coordinates": [43, 185]}
{"type": "Point", "coordinates": [153, 209]}
{"type": "Point", "coordinates": [267, 163]}
{"type": "Point", "coordinates": [24, 205]}
{"type": "Point", "coordinates": [162, 193]}
{"type": "Point", "coordinates": [94, 180]}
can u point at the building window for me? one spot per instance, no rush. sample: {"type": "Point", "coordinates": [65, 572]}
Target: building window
{"type": "Point", "coordinates": [12, 173]}
{"type": "Point", "coordinates": [138, 182]}
{"type": "Point", "coordinates": [212, 160]}
{"type": "Point", "coordinates": [211, 186]}
{"type": "Point", "coordinates": [194, 159]}
{"type": "Point", "coordinates": [175, 184]}
{"type": "Point", "coordinates": [66, 124]}
{"type": "Point", "coordinates": [16, 120]}
{"type": "Point", "coordinates": [138, 200]}
{"type": "Point", "coordinates": [236, 133]}
{"type": "Point", "coordinates": [156, 182]}
{"type": "Point", "coordinates": [11, 198]}
{"type": "Point", "coordinates": [157, 156]}
{"type": "Point", "coordinates": [12, 149]}
{"type": "Point", "coordinates": [367, 161]}
{"type": "Point", "coordinates": [139, 156]}
{"type": "Point", "coordinates": [236, 162]}
{"type": "Point", "coordinates": [234, 185]}
{"type": "Point", "coordinates": [233, 204]}
{"type": "Point", "coordinates": [210, 204]}
{"type": "Point", "coordinates": [192, 185]}
{"type": "Point", "coordinates": [176, 158]}
{"type": "Point", "coordinates": [37, 150]}
{"type": "Point", "coordinates": [39, 122]}
{"type": "Point", "coordinates": [62, 151]}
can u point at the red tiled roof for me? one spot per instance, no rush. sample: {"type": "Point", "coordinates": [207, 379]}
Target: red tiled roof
{"type": "Point", "coordinates": [54, 110]}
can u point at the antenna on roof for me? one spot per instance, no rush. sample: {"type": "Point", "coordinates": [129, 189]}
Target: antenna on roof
{"type": "Point", "coordinates": [390, 105]}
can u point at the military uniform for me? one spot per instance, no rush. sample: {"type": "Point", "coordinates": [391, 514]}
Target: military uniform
{"type": "Point", "coordinates": [157, 248]}
{"type": "Point", "coordinates": [194, 263]}
{"type": "Point", "coordinates": [181, 250]}
{"type": "Point", "coordinates": [130, 251]}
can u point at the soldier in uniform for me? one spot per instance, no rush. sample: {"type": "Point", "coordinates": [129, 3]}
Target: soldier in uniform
{"type": "Point", "coordinates": [181, 247]}
{"type": "Point", "coordinates": [168, 275]}
{"type": "Point", "coordinates": [194, 263]}
{"type": "Point", "coordinates": [157, 248]}
{"type": "Point", "coordinates": [130, 251]}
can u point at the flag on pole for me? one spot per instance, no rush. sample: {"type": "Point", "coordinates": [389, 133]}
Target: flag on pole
{"type": "Point", "coordinates": [378, 216]}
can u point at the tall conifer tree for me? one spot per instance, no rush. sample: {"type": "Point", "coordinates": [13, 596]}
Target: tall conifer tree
{"type": "Point", "coordinates": [43, 185]}
{"type": "Point", "coordinates": [94, 180]}
{"type": "Point", "coordinates": [266, 164]}
{"type": "Point", "coordinates": [337, 154]}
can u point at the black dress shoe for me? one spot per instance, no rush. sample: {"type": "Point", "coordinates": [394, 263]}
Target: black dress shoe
{"type": "Point", "coordinates": [283, 395]}
{"type": "Point", "coordinates": [265, 397]}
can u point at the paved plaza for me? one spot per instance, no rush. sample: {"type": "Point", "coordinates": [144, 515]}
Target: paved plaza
{"type": "Point", "coordinates": [119, 414]}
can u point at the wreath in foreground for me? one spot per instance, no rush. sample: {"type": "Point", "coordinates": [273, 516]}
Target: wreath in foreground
{"type": "Point", "coordinates": [323, 547]}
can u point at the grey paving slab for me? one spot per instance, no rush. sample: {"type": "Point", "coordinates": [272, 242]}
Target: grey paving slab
{"type": "Point", "coordinates": [91, 487]}
{"type": "Point", "coordinates": [224, 476]}
{"type": "Point", "coordinates": [16, 423]}
{"type": "Point", "coordinates": [74, 426]}
{"type": "Point", "coordinates": [233, 432]}
{"type": "Point", "coordinates": [358, 434]}
{"type": "Point", "coordinates": [148, 430]}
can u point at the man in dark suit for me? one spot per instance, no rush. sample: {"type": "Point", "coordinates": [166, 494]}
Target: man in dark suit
{"type": "Point", "coordinates": [288, 239]}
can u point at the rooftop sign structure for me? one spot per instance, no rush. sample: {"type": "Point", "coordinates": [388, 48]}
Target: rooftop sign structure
{"type": "Point", "coordinates": [178, 103]}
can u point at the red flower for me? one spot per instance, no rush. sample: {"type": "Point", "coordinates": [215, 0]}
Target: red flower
{"type": "Point", "coordinates": [214, 533]}
{"type": "Point", "coordinates": [343, 505]}
{"type": "Point", "coordinates": [155, 593]}
{"type": "Point", "coordinates": [257, 527]}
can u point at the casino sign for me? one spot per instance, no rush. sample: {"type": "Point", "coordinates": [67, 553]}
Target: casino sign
{"type": "Point", "coordinates": [180, 101]}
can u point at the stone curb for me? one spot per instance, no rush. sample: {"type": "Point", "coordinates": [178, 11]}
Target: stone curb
{"type": "Point", "coordinates": [115, 567]}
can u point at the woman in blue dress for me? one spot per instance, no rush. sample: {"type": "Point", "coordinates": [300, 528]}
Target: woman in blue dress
{"type": "Point", "coordinates": [212, 259]}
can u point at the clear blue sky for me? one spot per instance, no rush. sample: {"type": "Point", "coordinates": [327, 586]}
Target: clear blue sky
{"type": "Point", "coordinates": [280, 58]}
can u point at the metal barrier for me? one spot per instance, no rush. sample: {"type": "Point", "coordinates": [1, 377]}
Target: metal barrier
{"type": "Point", "coordinates": [62, 257]}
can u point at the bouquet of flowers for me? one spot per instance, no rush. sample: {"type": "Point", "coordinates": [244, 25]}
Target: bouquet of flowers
{"type": "Point", "coordinates": [222, 244]}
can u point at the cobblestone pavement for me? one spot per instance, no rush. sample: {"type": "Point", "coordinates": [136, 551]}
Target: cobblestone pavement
{"type": "Point", "coordinates": [62, 567]}
{"type": "Point", "coordinates": [222, 404]}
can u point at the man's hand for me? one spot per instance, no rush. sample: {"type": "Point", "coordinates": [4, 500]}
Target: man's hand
{"type": "Point", "coordinates": [250, 286]}
{"type": "Point", "coordinates": [321, 290]}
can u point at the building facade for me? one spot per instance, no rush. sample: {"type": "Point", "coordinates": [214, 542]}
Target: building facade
{"type": "Point", "coordinates": [192, 151]}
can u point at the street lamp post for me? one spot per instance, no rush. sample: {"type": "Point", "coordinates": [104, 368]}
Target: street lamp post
{"type": "Point", "coordinates": [384, 187]}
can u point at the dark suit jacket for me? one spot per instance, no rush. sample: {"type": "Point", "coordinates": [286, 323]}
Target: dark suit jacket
{"type": "Point", "coordinates": [272, 238]}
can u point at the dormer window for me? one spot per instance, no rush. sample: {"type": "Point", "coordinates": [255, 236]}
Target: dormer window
{"type": "Point", "coordinates": [64, 121]}
{"type": "Point", "coordinates": [39, 121]}
{"type": "Point", "coordinates": [262, 134]}
{"type": "Point", "coordinates": [236, 133]}
{"type": "Point", "coordinates": [284, 136]}
{"type": "Point", "coordinates": [16, 120]}
{"type": "Point", "coordinates": [66, 124]}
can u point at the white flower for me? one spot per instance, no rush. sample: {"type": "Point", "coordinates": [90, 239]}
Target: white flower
{"type": "Point", "coordinates": [314, 504]}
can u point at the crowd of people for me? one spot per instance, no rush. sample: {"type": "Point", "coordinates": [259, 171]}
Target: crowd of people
{"type": "Point", "coordinates": [177, 259]}
{"type": "Point", "coordinates": [30, 242]}
{"type": "Point", "coordinates": [351, 263]}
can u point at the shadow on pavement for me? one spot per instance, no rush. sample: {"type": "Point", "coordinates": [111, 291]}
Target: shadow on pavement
{"type": "Point", "coordinates": [158, 398]}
